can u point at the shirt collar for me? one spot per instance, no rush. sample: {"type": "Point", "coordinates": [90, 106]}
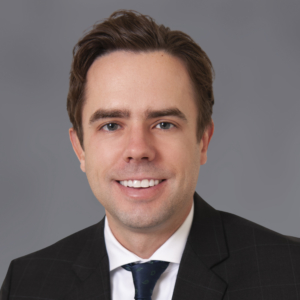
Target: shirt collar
{"type": "Point", "coordinates": [170, 251]}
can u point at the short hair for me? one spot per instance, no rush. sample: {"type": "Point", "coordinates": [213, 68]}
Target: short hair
{"type": "Point", "coordinates": [131, 31]}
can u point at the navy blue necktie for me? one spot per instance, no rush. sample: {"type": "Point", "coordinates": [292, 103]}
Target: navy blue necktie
{"type": "Point", "coordinates": [145, 276]}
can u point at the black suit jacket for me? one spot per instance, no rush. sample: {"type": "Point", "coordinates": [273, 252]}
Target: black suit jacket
{"type": "Point", "coordinates": [226, 257]}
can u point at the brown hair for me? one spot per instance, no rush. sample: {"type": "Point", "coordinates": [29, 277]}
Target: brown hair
{"type": "Point", "coordinates": [131, 31]}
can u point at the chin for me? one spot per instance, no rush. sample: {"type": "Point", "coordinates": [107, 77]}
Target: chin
{"type": "Point", "coordinates": [143, 218]}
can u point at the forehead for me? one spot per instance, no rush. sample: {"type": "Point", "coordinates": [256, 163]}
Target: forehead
{"type": "Point", "coordinates": [138, 81]}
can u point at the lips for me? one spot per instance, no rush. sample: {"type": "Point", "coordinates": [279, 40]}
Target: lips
{"type": "Point", "coordinates": [141, 193]}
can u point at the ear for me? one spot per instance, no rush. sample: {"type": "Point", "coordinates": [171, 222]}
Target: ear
{"type": "Point", "coordinates": [206, 137]}
{"type": "Point", "coordinates": [77, 148]}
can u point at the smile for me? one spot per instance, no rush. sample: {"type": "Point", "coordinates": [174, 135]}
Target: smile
{"type": "Point", "coordinates": [145, 183]}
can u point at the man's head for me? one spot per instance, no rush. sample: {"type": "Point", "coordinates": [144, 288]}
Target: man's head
{"type": "Point", "coordinates": [139, 121]}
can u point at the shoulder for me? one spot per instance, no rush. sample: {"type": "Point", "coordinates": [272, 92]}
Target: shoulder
{"type": "Point", "coordinates": [66, 249]}
{"type": "Point", "coordinates": [248, 241]}
{"type": "Point", "coordinates": [54, 261]}
{"type": "Point", "coordinates": [247, 232]}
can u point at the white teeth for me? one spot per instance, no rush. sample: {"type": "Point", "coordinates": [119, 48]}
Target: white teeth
{"type": "Point", "coordinates": [136, 183]}
{"type": "Point", "coordinates": [145, 183]}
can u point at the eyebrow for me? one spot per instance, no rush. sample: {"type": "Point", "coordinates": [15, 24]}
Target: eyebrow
{"type": "Point", "coordinates": [125, 114]}
{"type": "Point", "coordinates": [108, 113]}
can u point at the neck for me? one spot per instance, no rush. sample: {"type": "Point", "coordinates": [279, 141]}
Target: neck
{"type": "Point", "coordinates": [144, 243]}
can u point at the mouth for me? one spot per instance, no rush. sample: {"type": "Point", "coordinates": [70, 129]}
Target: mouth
{"type": "Point", "coordinates": [141, 190]}
{"type": "Point", "coordinates": [140, 184]}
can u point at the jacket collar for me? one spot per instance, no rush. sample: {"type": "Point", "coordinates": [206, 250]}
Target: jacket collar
{"type": "Point", "coordinates": [207, 237]}
{"type": "Point", "coordinates": [205, 248]}
{"type": "Point", "coordinates": [92, 268]}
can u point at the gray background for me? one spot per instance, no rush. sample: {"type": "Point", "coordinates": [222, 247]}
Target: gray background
{"type": "Point", "coordinates": [253, 167]}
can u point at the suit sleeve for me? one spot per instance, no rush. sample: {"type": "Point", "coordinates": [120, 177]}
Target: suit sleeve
{"type": "Point", "coordinates": [5, 289]}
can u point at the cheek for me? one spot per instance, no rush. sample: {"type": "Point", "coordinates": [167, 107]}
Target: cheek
{"type": "Point", "coordinates": [101, 156]}
{"type": "Point", "coordinates": [183, 155]}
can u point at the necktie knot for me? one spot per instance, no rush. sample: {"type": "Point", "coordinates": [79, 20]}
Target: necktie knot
{"type": "Point", "coordinates": [145, 276]}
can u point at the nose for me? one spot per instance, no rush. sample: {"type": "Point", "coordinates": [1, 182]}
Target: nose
{"type": "Point", "coordinates": [139, 146]}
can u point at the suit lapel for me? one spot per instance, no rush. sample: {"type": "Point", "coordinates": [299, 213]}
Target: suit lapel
{"type": "Point", "coordinates": [206, 248]}
{"type": "Point", "coordinates": [92, 268]}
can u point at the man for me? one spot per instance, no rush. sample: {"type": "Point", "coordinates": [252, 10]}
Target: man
{"type": "Point", "coordinates": [140, 102]}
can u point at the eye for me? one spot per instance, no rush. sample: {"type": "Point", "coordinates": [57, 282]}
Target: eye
{"type": "Point", "coordinates": [110, 127]}
{"type": "Point", "coordinates": [165, 125]}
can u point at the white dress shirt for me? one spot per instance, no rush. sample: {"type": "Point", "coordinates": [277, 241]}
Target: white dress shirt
{"type": "Point", "coordinates": [121, 281]}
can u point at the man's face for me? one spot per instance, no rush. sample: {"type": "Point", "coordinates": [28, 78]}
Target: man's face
{"type": "Point", "coordinates": [139, 124]}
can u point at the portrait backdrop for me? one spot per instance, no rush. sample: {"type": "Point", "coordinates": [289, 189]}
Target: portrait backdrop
{"type": "Point", "coordinates": [253, 167]}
